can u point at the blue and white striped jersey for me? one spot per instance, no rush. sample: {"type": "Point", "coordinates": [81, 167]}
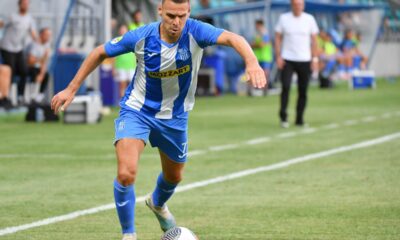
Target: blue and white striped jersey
{"type": "Point", "coordinates": [165, 81]}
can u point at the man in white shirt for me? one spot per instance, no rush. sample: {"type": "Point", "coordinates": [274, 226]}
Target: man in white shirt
{"type": "Point", "coordinates": [296, 51]}
{"type": "Point", "coordinates": [17, 28]}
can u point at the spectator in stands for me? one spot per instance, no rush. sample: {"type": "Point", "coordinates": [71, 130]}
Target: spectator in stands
{"type": "Point", "coordinates": [5, 81]}
{"type": "Point", "coordinates": [38, 56]}
{"type": "Point", "coordinates": [353, 57]}
{"type": "Point", "coordinates": [296, 51]}
{"type": "Point", "coordinates": [203, 5]}
{"type": "Point", "coordinates": [136, 20]}
{"type": "Point", "coordinates": [329, 56]}
{"type": "Point", "coordinates": [125, 66]}
{"type": "Point", "coordinates": [17, 28]}
{"type": "Point", "coordinates": [262, 48]}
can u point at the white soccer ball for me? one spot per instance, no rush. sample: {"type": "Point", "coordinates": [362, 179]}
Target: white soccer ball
{"type": "Point", "coordinates": [179, 233]}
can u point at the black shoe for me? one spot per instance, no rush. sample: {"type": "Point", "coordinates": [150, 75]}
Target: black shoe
{"type": "Point", "coordinates": [6, 104]}
{"type": "Point", "coordinates": [301, 124]}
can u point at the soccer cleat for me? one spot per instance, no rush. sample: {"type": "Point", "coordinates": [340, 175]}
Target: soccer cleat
{"type": "Point", "coordinates": [164, 216]}
{"type": "Point", "coordinates": [284, 124]}
{"type": "Point", "coordinates": [129, 236]}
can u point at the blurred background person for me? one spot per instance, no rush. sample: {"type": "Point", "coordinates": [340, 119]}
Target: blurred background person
{"type": "Point", "coordinates": [5, 82]}
{"type": "Point", "coordinates": [353, 57]}
{"type": "Point", "coordinates": [296, 51]}
{"type": "Point", "coordinates": [329, 57]}
{"type": "Point", "coordinates": [262, 48]}
{"type": "Point", "coordinates": [136, 20]}
{"type": "Point", "coordinates": [124, 66]}
{"type": "Point", "coordinates": [38, 57]}
{"type": "Point", "coordinates": [17, 28]}
{"type": "Point", "coordinates": [200, 6]}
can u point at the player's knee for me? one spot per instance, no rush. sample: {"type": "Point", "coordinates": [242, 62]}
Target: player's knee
{"type": "Point", "coordinates": [174, 178]}
{"type": "Point", "coordinates": [127, 176]}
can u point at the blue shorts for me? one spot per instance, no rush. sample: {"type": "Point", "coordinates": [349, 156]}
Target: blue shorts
{"type": "Point", "coordinates": [169, 135]}
{"type": "Point", "coordinates": [265, 65]}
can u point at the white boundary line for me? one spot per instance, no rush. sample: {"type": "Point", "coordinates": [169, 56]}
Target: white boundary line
{"type": "Point", "coordinates": [287, 135]}
{"type": "Point", "coordinates": [350, 122]}
{"type": "Point", "coordinates": [224, 178]}
{"type": "Point", "coordinates": [331, 126]}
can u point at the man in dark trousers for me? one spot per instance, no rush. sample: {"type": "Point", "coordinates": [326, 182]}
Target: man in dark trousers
{"type": "Point", "coordinates": [16, 30]}
{"type": "Point", "coordinates": [296, 51]}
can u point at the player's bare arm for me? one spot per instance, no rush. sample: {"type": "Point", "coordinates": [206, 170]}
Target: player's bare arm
{"type": "Point", "coordinates": [34, 35]}
{"type": "Point", "coordinates": [314, 52]}
{"type": "Point", "coordinates": [255, 74]}
{"type": "Point", "coordinates": [65, 97]}
{"type": "Point", "coordinates": [278, 43]}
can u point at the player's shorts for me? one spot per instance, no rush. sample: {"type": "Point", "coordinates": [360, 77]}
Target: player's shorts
{"type": "Point", "coordinates": [265, 65]}
{"type": "Point", "coordinates": [124, 75]}
{"type": "Point", "coordinates": [169, 135]}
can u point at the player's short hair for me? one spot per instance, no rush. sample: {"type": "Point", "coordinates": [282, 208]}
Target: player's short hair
{"type": "Point", "coordinates": [177, 1]}
{"type": "Point", "coordinates": [260, 22]}
{"type": "Point", "coordinates": [43, 29]}
{"type": "Point", "coordinates": [136, 12]}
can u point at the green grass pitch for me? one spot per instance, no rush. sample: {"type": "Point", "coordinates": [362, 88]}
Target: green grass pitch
{"type": "Point", "coordinates": [48, 170]}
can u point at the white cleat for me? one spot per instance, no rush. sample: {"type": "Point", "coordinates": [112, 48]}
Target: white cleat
{"type": "Point", "coordinates": [164, 216]}
{"type": "Point", "coordinates": [285, 124]}
{"type": "Point", "coordinates": [129, 236]}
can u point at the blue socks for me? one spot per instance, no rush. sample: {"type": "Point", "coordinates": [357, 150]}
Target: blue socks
{"type": "Point", "coordinates": [125, 201]}
{"type": "Point", "coordinates": [125, 204]}
{"type": "Point", "coordinates": [163, 191]}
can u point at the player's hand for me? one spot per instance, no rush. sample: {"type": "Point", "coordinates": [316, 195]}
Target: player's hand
{"type": "Point", "coordinates": [314, 66]}
{"type": "Point", "coordinates": [280, 62]}
{"type": "Point", "coordinates": [61, 100]}
{"type": "Point", "coordinates": [255, 74]}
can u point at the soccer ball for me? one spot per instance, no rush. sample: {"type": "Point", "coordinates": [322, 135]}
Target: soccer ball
{"type": "Point", "coordinates": [179, 233]}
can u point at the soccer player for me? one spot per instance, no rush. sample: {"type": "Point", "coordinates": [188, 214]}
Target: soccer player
{"type": "Point", "coordinates": [158, 100]}
{"type": "Point", "coordinates": [136, 20]}
{"type": "Point", "coordinates": [262, 47]}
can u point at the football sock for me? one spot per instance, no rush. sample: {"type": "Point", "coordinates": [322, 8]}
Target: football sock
{"type": "Point", "coordinates": [125, 204]}
{"type": "Point", "coordinates": [163, 191]}
{"type": "Point", "coordinates": [35, 92]}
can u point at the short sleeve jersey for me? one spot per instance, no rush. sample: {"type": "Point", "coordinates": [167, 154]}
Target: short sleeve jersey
{"type": "Point", "coordinates": [16, 30]}
{"type": "Point", "coordinates": [165, 81]}
{"type": "Point", "coordinates": [296, 32]}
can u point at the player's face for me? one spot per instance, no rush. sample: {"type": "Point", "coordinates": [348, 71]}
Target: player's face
{"type": "Point", "coordinates": [24, 5]}
{"type": "Point", "coordinates": [297, 7]}
{"type": "Point", "coordinates": [259, 28]}
{"type": "Point", "coordinates": [349, 35]}
{"type": "Point", "coordinates": [138, 17]}
{"type": "Point", "coordinates": [174, 16]}
{"type": "Point", "coordinates": [45, 36]}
